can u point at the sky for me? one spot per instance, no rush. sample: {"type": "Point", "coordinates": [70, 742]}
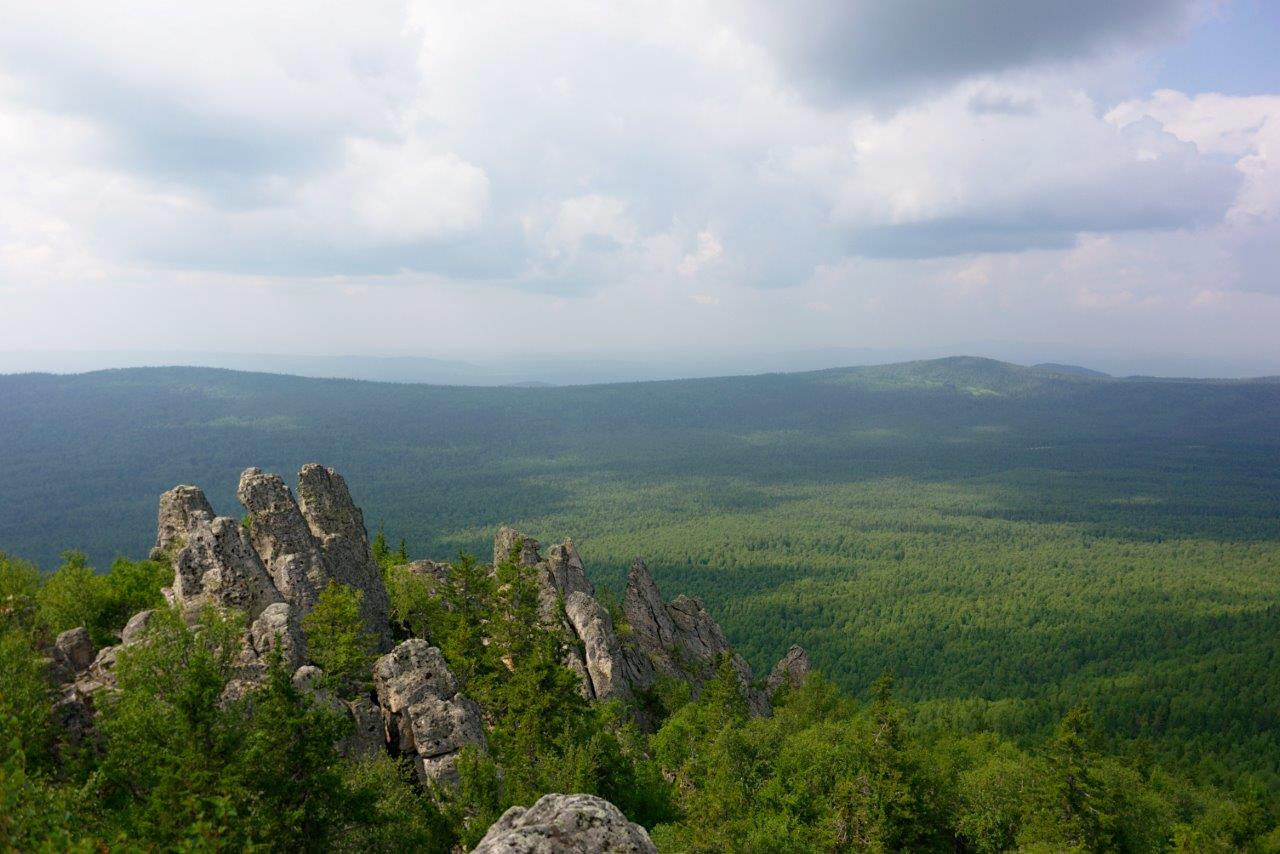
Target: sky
{"type": "Point", "coordinates": [698, 180]}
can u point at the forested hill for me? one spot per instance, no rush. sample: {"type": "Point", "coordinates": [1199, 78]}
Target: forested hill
{"type": "Point", "coordinates": [1007, 540]}
{"type": "Point", "coordinates": [82, 457]}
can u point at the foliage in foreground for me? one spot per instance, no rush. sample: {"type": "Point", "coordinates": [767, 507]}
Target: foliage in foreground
{"type": "Point", "coordinates": [178, 765]}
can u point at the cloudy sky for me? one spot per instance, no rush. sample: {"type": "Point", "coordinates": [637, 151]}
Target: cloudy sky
{"type": "Point", "coordinates": [650, 180]}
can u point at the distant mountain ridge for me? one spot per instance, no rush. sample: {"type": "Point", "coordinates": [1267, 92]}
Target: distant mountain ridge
{"type": "Point", "coordinates": [1072, 370]}
{"type": "Point", "coordinates": [84, 445]}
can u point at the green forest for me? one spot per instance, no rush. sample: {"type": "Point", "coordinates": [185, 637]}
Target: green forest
{"type": "Point", "coordinates": [176, 766]}
{"type": "Point", "coordinates": [1044, 561]}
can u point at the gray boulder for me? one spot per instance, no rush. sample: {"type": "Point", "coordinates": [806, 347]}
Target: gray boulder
{"type": "Point", "coordinates": [411, 671]}
{"type": "Point", "coordinates": [565, 824]}
{"type": "Point", "coordinates": [277, 626]}
{"type": "Point", "coordinates": [74, 649]}
{"type": "Point", "coordinates": [137, 626]}
{"type": "Point", "coordinates": [445, 725]}
{"type": "Point", "coordinates": [423, 713]}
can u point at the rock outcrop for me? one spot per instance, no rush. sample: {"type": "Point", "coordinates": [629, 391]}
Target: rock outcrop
{"type": "Point", "coordinates": [368, 732]}
{"type": "Point", "coordinates": [306, 545]}
{"type": "Point", "coordinates": [678, 640]}
{"type": "Point", "coordinates": [282, 538]}
{"type": "Point", "coordinates": [565, 824]}
{"type": "Point", "coordinates": [273, 568]}
{"type": "Point", "coordinates": [80, 674]}
{"type": "Point", "coordinates": [218, 566]}
{"type": "Point", "coordinates": [790, 670]}
{"type": "Point", "coordinates": [74, 650]}
{"type": "Point", "coordinates": [601, 650]}
{"type": "Point", "coordinates": [180, 507]}
{"type": "Point", "coordinates": [338, 527]}
{"type": "Point", "coordinates": [277, 627]}
{"type": "Point", "coordinates": [505, 541]}
{"type": "Point", "coordinates": [424, 716]}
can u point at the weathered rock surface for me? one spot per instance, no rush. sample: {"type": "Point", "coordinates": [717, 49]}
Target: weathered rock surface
{"type": "Point", "coordinates": [790, 670]}
{"type": "Point", "coordinates": [563, 571]}
{"type": "Point", "coordinates": [305, 544]}
{"type": "Point", "coordinates": [338, 526]}
{"type": "Point", "coordinates": [282, 539]}
{"type": "Point", "coordinates": [565, 824]}
{"type": "Point", "coordinates": [218, 566]}
{"type": "Point", "coordinates": [445, 725]}
{"type": "Point", "coordinates": [74, 648]}
{"type": "Point", "coordinates": [606, 670]}
{"type": "Point", "coordinates": [423, 713]}
{"type": "Point", "coordinates": [505, 541]}
{"type": "Point", "coordinates": [369, 736]}
{"type": "Point", "coordinates": [136, 627]}
{"type": "Point", "coordinates": [558, 576]}
{"type": "Point", "coordinates": [180, 507]}
{"type": "Point", "coordinates": [277, 626]}
{"type": "Point", "coordinates": [437, 571]}
{"type": "Point", "coordinates": [678, 640]}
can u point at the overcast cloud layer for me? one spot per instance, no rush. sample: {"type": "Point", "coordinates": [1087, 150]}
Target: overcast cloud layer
{"type": "Point", "coordinates": [701, 177]}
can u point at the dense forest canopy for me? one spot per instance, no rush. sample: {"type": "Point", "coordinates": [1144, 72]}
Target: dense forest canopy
{"type": "Point", "coordinates": [1008, 541]}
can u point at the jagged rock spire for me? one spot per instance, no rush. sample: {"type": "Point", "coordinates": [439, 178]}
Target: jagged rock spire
{"type": "Point", "coordinates": [180, 508]}
{"type": "Point", "coordinates": [504, 541]}
{"type": "Point", "coordinates": [678, 640]}
{"type": "Point", "coordinates": [602, 653]}
{"type": "Point", "coordinates": [305, 546]}
{"type": "Point", "coordinates": [790, 670]}
{"type": "Point", "coordinates": [213, 560]}
{"type": "Point", "coordinates": [338, 525]}
{"type": "Point", "coordinates": [283, 539]}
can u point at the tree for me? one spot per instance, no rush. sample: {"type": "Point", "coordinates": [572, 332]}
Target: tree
{"type": "Point", "coordinates": [73, 596]}
{"type": "Point", "coordinates": [1073, 809]}
{"type": "Point", "coordinates": [338, 641]}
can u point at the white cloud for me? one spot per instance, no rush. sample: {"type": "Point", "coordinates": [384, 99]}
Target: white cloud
{"type": "Point", "coordinates": [609, 165]}
{"type": "Point", "coordinates": [587, 219]}
{"type": "Point", "coordinates": [1246, 131]}
{"type": "Point", "coordinates": [1244, 128]}
{"type": "Point", "coordinates": [938, 178]}
{"type": "Point", "coordinates": [397, 193]}
{"type": "Point", "coordinates": [707, 251]}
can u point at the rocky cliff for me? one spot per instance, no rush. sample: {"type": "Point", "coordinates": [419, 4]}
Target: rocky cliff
{"type": "Point", "coordinates": [273, 566]}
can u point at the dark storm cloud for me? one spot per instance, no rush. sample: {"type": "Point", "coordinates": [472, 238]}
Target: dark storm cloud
{"type": "Point", "coordinates": [874, 51]}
